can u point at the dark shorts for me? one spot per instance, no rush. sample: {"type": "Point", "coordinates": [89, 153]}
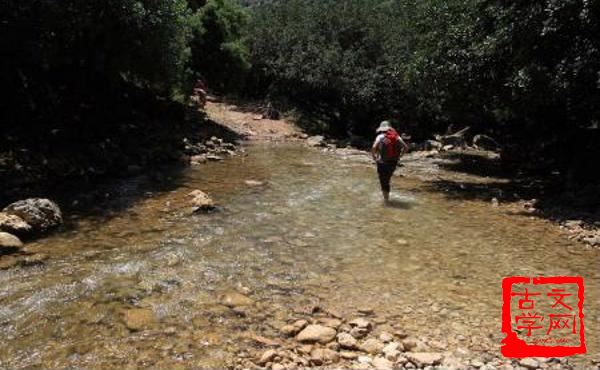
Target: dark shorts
{"type": "Point", "coordinates": [385, 171]}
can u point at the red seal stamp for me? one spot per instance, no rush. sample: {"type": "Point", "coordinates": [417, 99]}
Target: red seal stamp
{"type": "Point", "coordinates": [542, 316]}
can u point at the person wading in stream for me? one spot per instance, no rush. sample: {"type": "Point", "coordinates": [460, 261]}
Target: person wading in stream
{"type": "Point", "coordinates": [386, 150]}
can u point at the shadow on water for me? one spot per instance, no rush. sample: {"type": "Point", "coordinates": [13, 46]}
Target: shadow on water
{"type": "Point", "coordinates": [510, 185]}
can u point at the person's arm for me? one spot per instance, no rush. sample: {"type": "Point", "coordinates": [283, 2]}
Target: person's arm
{"type": "Point", "coordinates": [404, 145]}
{"type": "Point", "coordinates": [375, 148]}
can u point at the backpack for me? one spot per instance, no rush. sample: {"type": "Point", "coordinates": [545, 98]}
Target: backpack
{"type": "Point", "coordinates": [390, 146]}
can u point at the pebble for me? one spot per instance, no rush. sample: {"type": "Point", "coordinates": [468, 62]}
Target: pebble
{"type": "Point", "coordinates": [267, 356]}
{"type": "Point", "coordinates": [529, 363]}
{"type": "Point", "coordinates": [347, 341]}
{"type": "Point", "coordinates": [386, 337]}
{"type": "Point", "coordinates": [422, 359]}
{"type": "Point", "coordinates": [381, 363]}
{"type": "Point", "coordinates": [232, 299]}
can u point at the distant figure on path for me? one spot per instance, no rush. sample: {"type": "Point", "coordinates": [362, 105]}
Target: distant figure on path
{"type": "Point", "coordinates": [386, 151]}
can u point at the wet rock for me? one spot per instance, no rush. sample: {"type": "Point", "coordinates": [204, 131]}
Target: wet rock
{"type": "Point", "coordinates": [320, 356]}
{"type": "Point", "coordinates": [201, 201]}
{"type": "Point", "coordinates": [9, 241]}
{"type": "Point", "coordinates": [372, 346]}
{"type": "Point", "coordinates": [138, 319]}
{"type": "Point", "coordinates": [422, 359]}
{"type": "Point", "coordinates": [13, 224]}
{"type": "Point", "coordinates": [529, 363]}
{"type": "Point", "coordinates": [316, 140]}
{"type": "Point", "coordinates": [316, 333]}
{"type": "Point", "coordinates": [234, 299]}
{"type": "Point", "coordinates": [347, 341]}
{"type": "Point", "coordinates": [41, 214]}
{"type": "Point", "coordinates": [381, 363]}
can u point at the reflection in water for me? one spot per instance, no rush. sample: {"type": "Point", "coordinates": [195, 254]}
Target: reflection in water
{"type": "Point", "coordinates": [316, 232]}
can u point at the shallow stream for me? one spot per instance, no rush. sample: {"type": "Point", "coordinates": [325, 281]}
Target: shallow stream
{"type": "Point", "coordinates": [315, 233]}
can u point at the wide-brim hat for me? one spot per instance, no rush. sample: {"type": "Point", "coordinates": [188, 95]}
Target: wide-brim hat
{"type": "Point", "coordinates": [384, 126]}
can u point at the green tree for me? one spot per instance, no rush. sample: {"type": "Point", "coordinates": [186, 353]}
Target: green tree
{"type": "Point", "coordinates": [218, 51]}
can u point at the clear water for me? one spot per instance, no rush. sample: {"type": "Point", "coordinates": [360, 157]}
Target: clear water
{"type": "Point", "coordinates": [315, 233]}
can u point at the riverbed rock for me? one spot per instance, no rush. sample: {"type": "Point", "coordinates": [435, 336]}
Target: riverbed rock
{"type": "Point", "coordinates": [234, 299]}
{"type": "Point", "coordinates": [414, 345]}
{"type": "Point", "coordinates": [9, 241]}
{"type": "Point", "coordinates": [381, 363]}
{"type": "Point", "coordinates": [138, 318]}
{"type": "Point", "coordinates": [422, 359]}
{"type": "Point", "coordinates": [267, 356]}
{"type": "Point", "coordinates": [201, 201]}
{"type": "Point", "coordinates": [529, 363]}
{"type": "Point", "coordinates": [360, 322]}
{"type": "Point", "coordinates": [432, 145]}
{"type": "Point", "coordinates": [41, 214]}
{"type": "Point", "coordinates": [372, 346]}
{"type": "Point", "coordinates": [347, 341]}
{"type": "Point", "coordinates": [316, 140]}
{"type": "Point", "coordinates": [316, 333]}
{"type": "Point", "coordinates": [320, 356]}
{"type": "Point", "coordinates": [330, 322]}
{"type": "Point", "coordinates": [13, 224]}
{"type": "Point", "coordinates": [392, 350]}
{"type": "Point", "coordinates": [485, 142]}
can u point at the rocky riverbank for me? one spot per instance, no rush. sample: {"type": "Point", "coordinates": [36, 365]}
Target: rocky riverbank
{"type": "Point", "coordinates": [321, 338]}
{"type": "Point", "coordinates": [25, 219]}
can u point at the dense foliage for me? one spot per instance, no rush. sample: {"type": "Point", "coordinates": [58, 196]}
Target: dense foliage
{"type": "Point", "coordinates": [90, 84]}
{"type": "Point", "coordinates": [526, 69]}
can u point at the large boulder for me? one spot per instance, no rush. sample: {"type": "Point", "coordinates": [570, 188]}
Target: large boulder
{"type": "Point", "coordinates": [13, 224]}
{"type": "Point", "coordinates": [9, 241]}
{"type": "Point", "coordinates": [41, 214]}
{"type": "Point", "coordinates": [202, 202]}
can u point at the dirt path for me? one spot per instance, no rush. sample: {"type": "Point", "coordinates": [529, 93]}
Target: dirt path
{"type": "Point", "coordinates": [247, 121]}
